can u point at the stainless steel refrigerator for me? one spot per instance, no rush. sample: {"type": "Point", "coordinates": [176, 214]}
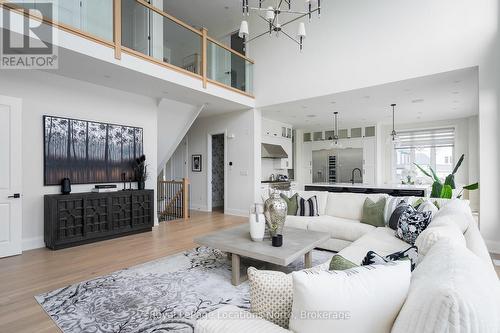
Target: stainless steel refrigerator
{"type": "Point", "coordinates": [336, 165]}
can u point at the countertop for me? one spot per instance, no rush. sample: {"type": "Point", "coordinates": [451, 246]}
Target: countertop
{"type": "Point", "coordinates": [381, 186]}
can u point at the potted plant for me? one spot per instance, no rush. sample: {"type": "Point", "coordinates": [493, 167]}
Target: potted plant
{"type": "Point", "coordinates": [141, 172]}
{"type": "Point", "coordinates": [445, 190]}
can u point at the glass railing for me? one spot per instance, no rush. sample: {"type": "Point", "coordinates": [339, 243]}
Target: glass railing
{"type": "Point", "coordinates": [146, 31]}
{"type": "Point", "coordinates": [229, 68]}
{"type": "Point", "coordinates": [140, 29]}
{"type": "Point", "coordinates": [91, 17]}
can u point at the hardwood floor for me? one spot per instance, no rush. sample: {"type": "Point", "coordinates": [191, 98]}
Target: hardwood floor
{"type": "Point", "coordinates": [37, 271]}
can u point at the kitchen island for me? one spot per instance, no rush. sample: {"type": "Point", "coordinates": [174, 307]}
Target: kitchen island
{"type": "Point", "coordinates": [396, 190]}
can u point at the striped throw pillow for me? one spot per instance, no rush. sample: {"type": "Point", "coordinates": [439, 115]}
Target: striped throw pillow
{"type": "Point", "coordinates": [307, 207]}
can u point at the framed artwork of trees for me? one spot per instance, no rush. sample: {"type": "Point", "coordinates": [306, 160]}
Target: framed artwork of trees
{"type": "Point", "coordinates": [89, 152]}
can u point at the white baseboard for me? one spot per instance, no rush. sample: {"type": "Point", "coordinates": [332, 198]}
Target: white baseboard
{"type": "Point", "coordinates": [201, 208]}
{"type": "Point", "coordinates": [493, 247]}
{"type": "Point", "coordinates": [236, 212]}
{"type": "Point", "coordinates": [32, 243]}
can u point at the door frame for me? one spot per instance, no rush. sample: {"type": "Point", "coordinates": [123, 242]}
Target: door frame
{"type": "Point", "coordinates": [16, 104]}
{"type": "Point", "coordinates": [209, 168]}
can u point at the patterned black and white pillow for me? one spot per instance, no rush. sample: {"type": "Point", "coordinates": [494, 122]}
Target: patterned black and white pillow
{"type": "Point", "coordinates": [411, 223]}
{"type": "Point", "coordinates": [372, 258]}
{"type": "Point", "coordinates": [397, 212]}
{"type": "Point", "coordinates": [307, 207]}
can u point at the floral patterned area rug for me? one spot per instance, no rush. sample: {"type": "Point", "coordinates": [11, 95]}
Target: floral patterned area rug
{"type": "Point", "coordinates": [165, 295]}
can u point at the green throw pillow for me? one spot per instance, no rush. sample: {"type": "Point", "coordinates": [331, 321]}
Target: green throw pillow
{"type": "Point", "coordinates": [418, 203]}
{"type": "Point", "coordinates": [291, 203]}
{"type": "Point", "coordinates": [373, 212]}
{"type": "Point", "coordinates": [339, 263]}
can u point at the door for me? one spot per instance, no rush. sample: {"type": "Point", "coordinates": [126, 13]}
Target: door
{"type": "Point", "coordinates": [10, 177]}
{"type": "Point", "coordinates": [218, 172]}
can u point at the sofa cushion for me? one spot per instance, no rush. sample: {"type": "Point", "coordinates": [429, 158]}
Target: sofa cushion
{"type": "Point", "coordinates": [271, 295]}
{"type": "Point", "coordinates": [230, 318]}
{"type": "Point", "coordinates": [291, 203]}
{"type": "Point", "coordinates": [451, 291]}
{"type": "Point", "coordinates": [411, 223]}
{"type": "Point", "coordinates": [349, 205]}
{"type": "Point", "coordinates": [390, 206]}
{"type": "Point", "coordinates": [380, 240]}
{"type": "Point", "coordinates": [373, 258]}
{"type": "Point", "coordinates": [321, 196]}
{"type": "Point", "coordinates": [299, 222]}
{"type": "Point", "coordinates": [307, 207]}
{"type": "Point", "coordinates": [373, 212]}
{"type": "Point", "coordinates": [431, 236]}
{"type": "Point", "coordinates": [457, 212]}
{"type": "Point", "coordinates": [339, 263]}
{"type": "Point", "coordinates": [361, 299]}
{"type": "Point", "coordinates": [339, 228]}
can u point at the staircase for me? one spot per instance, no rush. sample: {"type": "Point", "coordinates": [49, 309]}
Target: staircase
{"type": "Point", "coordinates": [173, 200]}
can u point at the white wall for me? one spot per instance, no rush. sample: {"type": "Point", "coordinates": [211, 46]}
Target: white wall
{"type": "Point", "coordinates": [47, 94]}
{"type": "Point", "coordinates": [174, 120]}
{"type": "Point", "coordinates": [240, 151]}
{"type": "Point", "coordinates": [366, 43]}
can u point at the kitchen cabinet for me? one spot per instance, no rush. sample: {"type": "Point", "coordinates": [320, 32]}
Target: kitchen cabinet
{"type": "Point", "coordinates": [278, 133]}
{"type": "Point", "coordinates": [369, 160]}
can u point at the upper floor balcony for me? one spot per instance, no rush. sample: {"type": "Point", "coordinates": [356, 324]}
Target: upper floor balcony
{"type": "Point", "coordinates": [140, 29]}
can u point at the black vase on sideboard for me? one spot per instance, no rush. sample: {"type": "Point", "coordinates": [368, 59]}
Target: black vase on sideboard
{"type": "Point", "coordinates": [66, 186]}
{"type": "Point", "coordinates": [141, 185]}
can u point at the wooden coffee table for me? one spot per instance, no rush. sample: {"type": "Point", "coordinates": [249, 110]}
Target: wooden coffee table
{"type": "Point", "coordinates": [237, 243]}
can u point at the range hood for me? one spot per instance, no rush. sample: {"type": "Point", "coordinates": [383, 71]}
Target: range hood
{"type": "Point", "coordinates": [272, 151]}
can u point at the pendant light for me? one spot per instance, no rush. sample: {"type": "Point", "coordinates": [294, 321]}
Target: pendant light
{"type": "Point", "coordinates": [335, 139]}
{"type": "Point", "coordinates": [394, 134]}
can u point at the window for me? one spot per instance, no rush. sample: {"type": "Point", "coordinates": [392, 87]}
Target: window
{"type": "Point", "coordinates": [433, 148]}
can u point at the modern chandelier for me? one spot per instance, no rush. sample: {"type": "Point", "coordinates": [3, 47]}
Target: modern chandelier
{"type": "Point", "coordinates": [277, 17]}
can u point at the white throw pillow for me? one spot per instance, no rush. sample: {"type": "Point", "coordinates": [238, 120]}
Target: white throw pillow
{"type": "Point", "coordinates": [432, 235]}
{"type": "Point", "coordinates": [271, 295]}
{"type": "Point", "coordinates": [428, 206]}
{"type": "Point", "coordinates": [452, 290]}
{"type": "Point", "coordinates": [390, 205]}
{"type": "Point", "coordinates": [457, 212]}
{"type": "Point", "coordinates": [364, 299]}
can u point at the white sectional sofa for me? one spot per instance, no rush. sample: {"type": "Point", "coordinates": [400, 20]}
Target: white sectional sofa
{"type": "Point", "coordinates": [454, 288]}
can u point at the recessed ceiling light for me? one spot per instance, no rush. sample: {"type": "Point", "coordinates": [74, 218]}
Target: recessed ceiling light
{"type": "Point", "coordinates": [165, 92]}
{"type": "Point", "coordinates": [455, 101]}
{"type": "Point", "coordinates": [226, 7]}
{"type": "Point", "coordinates": [419, 117]}
{"type": "Point", "coordinates": [304, 107]}
{"type": "Point", "coordinates": [419, 112]}
{"type": "Point", "coordinates": [366, 97]}
{"type": "Point", "coordinates": [456, 81]}
{"type": "Point", "coordinates": [311, 116]}
{"type": "Point", "coordinates": [455, 92]}
{"type": "Point", "coordinates": [107, 76]}
{"type": "Point", "coordinates": [418, 100]}
{"type": "Point", "coordinates": [333, 102]}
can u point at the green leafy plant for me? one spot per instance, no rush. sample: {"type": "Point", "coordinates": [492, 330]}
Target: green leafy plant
{"type": "Point", "coordinates": [445, 190]}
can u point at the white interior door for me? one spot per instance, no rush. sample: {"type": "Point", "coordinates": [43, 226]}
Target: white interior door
{"type": "Point", "coordinates": [10, 177]}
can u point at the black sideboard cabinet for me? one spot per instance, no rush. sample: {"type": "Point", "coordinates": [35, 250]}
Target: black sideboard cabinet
{"type": "Point", "coordinates": [81, 218]}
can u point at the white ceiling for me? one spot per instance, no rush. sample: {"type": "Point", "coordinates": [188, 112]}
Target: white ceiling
{"type": "Point", "coordinates": [449, 95]}
{"type": "Point", "coordinates": [220, 17]}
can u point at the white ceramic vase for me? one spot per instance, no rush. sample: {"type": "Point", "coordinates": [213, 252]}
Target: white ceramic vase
{"type": "Point", "coordinates": [257, 222]}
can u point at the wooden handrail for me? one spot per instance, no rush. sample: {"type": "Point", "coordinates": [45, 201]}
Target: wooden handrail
{"type": "Point", "coordinates": [230, 50]}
